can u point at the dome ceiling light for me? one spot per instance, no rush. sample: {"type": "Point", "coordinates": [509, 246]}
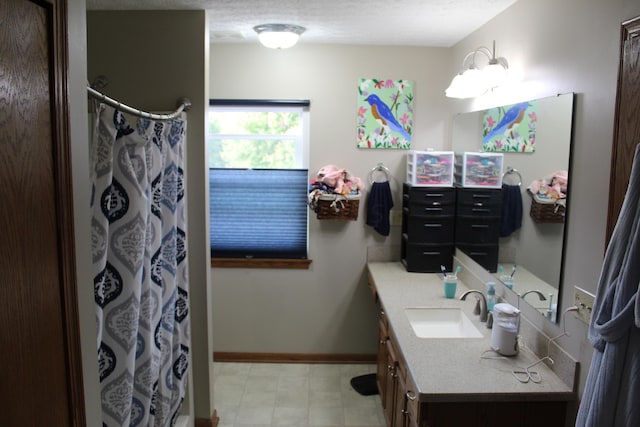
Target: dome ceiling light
{"type": "Point", "coordinates": [278, 36]}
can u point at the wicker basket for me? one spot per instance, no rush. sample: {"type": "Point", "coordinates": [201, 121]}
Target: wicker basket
{"type": "Point", "coordinates": [546, 212]}
{"type": "Point", "coordinates": [338, 207]}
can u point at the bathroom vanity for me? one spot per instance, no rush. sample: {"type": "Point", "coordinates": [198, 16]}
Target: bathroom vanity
{"type": "Point", "coordinates": [454, 381]}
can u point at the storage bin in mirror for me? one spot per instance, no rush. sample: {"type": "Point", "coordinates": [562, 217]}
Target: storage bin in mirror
{"type": "Point", "coordinates": [538, 245]}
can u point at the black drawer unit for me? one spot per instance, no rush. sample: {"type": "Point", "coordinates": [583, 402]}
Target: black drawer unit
{"type": "Point", "coordinates": [477, 230]}
{"type": "Point", "coordinates": [485, 255]}
{"type": "Point", "coordinates": [479, 202]}
{"type": "Point", "coordinates": [426, 257]}
{"type": "Point", "coordinates": [478, 213]}
{"type": "Point", "coordinates": [429, 201]}
{"type": "Point", "coordinates": [428, 228]}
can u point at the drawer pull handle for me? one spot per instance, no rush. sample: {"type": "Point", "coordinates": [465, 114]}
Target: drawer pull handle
{"type": "Point", "coordinates": [411, 395]}
{"type": "Point", "coordinates": [433, 195]}
{"type": "Point", "coordinates": [480, 210]}
{"type": "Point", "coordinates": [478, 204]}
{"type": "Point", "coordinates": [481, 196]}
{"type": "Point", "coordinates": [479, 226]}
{"type": "Point", "coordinates": [435, 204]}
{"type": "Point", "coordinates": [431, 253]}
{"type": "Point", "coordinates": [433, 209]}
{"type": "Point", "coordinates": [478, 254]}
{"type": "Point", "coordinates": [432, 225]}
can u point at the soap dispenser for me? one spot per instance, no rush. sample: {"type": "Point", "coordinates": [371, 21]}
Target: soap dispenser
{"type": "Point", "coordinates": [506, 325]}
{"type": "Point", "coordinates": [491, 295]}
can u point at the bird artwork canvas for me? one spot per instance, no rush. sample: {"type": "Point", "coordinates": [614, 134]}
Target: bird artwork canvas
{"type": "Point", "coordinates": [511, 128]}
{"type": "Point", "coordinates": [385, 113]}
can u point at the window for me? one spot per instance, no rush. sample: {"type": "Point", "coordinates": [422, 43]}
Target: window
{"type": "Point", "coordinates": [258, 183]}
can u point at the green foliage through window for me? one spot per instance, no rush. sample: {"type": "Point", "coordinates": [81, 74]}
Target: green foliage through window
{"type": "Point", "coordinates": [254, 139]}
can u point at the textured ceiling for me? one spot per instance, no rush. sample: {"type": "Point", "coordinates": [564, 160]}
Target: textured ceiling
{"type": "Point", "coordinates": [438, 23]}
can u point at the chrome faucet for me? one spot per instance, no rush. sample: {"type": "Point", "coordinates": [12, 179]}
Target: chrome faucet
{"type": "Point", "coordinates": [533, 291]}
{"type": "Point", "coordinates": [482, 301]}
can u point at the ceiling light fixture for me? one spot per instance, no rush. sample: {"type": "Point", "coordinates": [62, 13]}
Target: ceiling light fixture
{"type": "Point", "coordinates": [278, 36]}
{"type": "Point", "coordinates": [473, 81]}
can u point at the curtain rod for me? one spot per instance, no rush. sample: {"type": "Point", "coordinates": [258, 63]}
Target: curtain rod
{"type": "Point", "coordinates": [184, 104]}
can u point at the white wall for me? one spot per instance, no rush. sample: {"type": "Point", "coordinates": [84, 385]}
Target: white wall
{"type": "Point", "coordinates": [327, 309]}
{"type": "Point", "coordinates": [559, 47]}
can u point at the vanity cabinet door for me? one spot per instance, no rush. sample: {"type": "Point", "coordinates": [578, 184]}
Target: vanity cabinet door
{"type": "Point", "coordinates": [381, 371]}
{"type": "Point", "coordinates": [391, 385]}
{"type": "Point", "coordinates": [486, 414]}
{"type": "Point", "coordinates": [413, 413]}
{"type": "Point", "coordinates": [400, 413]}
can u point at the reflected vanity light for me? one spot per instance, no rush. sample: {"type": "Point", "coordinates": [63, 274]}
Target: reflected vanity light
{"type": "Point", "coordinates": [473, 81]}
{"type": "Point", "coordinates": [278, 36]}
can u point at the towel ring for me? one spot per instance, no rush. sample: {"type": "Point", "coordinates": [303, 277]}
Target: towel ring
{"type": "Point", "coordinates": [379, 168]}
{"type": "Point", "coordinates": [510, 171]}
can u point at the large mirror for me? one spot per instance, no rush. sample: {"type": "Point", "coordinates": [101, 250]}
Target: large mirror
{"type": "Point", "coordinates": [537, 248]}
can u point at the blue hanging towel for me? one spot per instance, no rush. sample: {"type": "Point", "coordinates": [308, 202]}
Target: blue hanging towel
{"type": "Point", "coordinates": [379, 204]}
{"type": "Point", "coordinates": [511, 209]}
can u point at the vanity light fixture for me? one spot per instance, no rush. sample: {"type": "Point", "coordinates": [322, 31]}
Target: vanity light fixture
{"type": "Point", "coordinates": [473, 81]}
{"type": "Point", "coordinates": [278, 36]}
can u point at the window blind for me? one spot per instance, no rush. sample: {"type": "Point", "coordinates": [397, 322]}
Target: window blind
{"type": "Point", "coordinates": [258, 213]}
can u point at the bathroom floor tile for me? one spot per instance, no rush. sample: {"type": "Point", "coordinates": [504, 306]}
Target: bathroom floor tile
{"type": "Point", "coordinates": [297, 394]}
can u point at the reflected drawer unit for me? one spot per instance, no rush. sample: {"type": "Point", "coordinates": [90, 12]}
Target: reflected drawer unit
{"type": "Point", "coordinates": [478, 213]}
{"type": "Point", "coordinates": [428, 228]}
{"type": "Point", "coordinates": [485, 255]}
{"type": "Point", "coordinates": [477, 202]}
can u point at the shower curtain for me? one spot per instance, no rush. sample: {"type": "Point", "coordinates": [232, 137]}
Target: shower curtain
{"type": "Point", "coordinates": [138, 232]}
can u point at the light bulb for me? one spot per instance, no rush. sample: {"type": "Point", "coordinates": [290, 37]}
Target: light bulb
{"type": "Point", "coordinates": [495, 75]}
{"type": "Point", "coordinates": [275, 40]}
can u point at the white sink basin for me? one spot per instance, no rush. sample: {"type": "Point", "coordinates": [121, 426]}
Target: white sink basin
{"type": "Point", "coordinates": [441, 323]}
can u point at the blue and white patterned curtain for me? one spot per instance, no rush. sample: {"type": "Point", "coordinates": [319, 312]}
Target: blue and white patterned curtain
{"type": "Point", "coordinates": [138, 232]}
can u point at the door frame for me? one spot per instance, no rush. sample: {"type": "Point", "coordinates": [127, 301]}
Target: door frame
{"type": "Point", "coordinates": [622, 150]}
{"type": "Point", "coordinates": [64, 207]}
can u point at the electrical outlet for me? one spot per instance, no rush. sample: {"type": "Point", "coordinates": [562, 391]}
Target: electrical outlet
{"type": "Point", "coordinates": [584, 301]}
{"type": "Point", "coordinates": [395, 217]}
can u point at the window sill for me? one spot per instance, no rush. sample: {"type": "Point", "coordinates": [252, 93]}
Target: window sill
{"type": "Point", "coordinates": [291, 264]}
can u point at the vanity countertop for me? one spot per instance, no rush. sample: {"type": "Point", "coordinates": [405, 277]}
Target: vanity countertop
{"type": "Point", "coordinates": [452, 369]}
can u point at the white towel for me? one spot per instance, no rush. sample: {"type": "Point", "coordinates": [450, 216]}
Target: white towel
{"type": "Point", "coordinates": [612, 390]}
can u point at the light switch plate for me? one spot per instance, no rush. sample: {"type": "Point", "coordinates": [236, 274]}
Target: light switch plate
{"type": "Point", "coordinates": [584, 301]}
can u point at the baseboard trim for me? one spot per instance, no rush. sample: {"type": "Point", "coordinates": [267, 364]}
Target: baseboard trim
{"type": "Point", "coordinates": [222, 356]}
{"type": "Point", "coordinates": [203, 422]}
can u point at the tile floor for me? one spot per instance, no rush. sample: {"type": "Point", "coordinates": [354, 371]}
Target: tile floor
{"type": "Point", "coordinates": [301, 395]}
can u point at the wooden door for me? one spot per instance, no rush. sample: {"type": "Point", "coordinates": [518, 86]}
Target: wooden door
{"type": "Point", "coordinates": [41, 376]}
{"type": "Point", "coordinates": [627, 120]}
